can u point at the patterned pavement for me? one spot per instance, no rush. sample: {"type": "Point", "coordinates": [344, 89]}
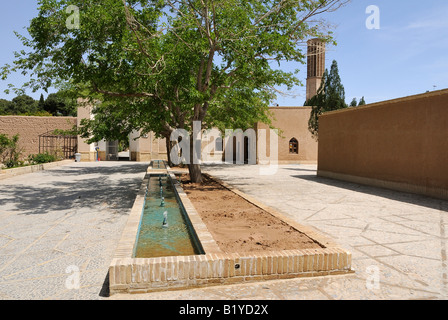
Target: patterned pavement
{"type": "Point", "coordinates": [59, 229]}
{"type": "Point", "coordinates": [398, 240]}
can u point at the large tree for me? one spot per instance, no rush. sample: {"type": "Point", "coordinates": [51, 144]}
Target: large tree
{"type": "Point", "coordinates": [330, 96]}
{"type": "Point", "coordinates": [160, 65]}
{"type": "Point", "coordinates": [58, 104]}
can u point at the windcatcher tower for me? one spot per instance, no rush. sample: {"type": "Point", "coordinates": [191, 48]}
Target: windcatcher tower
{"type": "Point", "coordinates": [315, 66]}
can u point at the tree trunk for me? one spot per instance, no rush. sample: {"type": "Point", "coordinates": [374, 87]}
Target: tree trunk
{"type": "Point", "coordinates": [168, 150]}
{"type": "Point", "coordinates": [195, 173]}
{"type": "Point", "coordinates": [194, 169]}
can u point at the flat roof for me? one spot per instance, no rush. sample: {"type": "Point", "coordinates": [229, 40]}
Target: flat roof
{"type": "Point", "coordinates": [389, 102]}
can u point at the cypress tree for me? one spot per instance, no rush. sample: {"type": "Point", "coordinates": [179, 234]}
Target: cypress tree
{"type": "Point", "coordinates": [329, 97]}
{"type": "Point", "coordinates": [362, 102]}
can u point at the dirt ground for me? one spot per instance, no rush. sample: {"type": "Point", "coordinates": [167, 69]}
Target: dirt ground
{"type": "Point", "coordinates": [239, 226]}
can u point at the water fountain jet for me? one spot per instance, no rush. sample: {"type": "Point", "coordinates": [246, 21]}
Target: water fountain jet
{"type": "Point", "coordinates": [165, 218]}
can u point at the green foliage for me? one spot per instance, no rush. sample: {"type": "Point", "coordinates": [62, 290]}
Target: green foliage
{"type": "Point", "coordinates": [5, 106]}
{"type": "Point", "coordinates": [21, 105]}
{"type": "Point", "coordinates": [9, 151]}
{"type": "Point", "coordinates": [329, 97]}
{"type": "Point", "coordinates": [56, 104]}
{"type": "Point", "coordinates": [362, 102]}
{"type": "Point", "coordinates": [24, 104]}
{"type": "Point", "coordinates": [41, 158]}
{"type": "Point", "coordinates": [354, 103]}
{"type": "Point", "coordinates": [71, 132]}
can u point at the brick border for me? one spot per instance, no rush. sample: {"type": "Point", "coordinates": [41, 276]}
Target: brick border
{"type": "Point", "coordinates": [142, 275]}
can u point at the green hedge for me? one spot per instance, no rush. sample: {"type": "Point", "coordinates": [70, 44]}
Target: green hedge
{"type": "Point", "coordinates": [41, 158]}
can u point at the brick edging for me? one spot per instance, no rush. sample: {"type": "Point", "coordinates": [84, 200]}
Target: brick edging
{"type": "Point", "coordinates": [141, 275]}
{"type": "Point", "coordinates": [308, 230]}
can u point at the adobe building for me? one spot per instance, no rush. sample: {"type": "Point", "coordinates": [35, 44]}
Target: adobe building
{"type": "Point", "coordinates": [295, 142]}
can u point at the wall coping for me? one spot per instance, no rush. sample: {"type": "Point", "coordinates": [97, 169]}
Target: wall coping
{"type": "Point", "coordinates": [36, 117]}
{"type": "Point", "coordinates": [291, 108]}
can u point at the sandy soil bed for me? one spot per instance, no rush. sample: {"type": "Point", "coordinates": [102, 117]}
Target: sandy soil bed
{"type": "Point", "coordinates": [239, 226]}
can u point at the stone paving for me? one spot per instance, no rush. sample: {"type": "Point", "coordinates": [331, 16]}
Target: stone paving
{"type": "Point", "coordinates": [398, 240]}
{"type": "Point", "coordinates": [57, 222]}
{"type": "Point", "coordinates": [59, 229]}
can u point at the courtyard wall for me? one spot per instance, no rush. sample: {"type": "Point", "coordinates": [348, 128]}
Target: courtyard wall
{"type": "Point", "coordinates": [29, 128]}
{"type": "Point", "coordinates": [292, 122]}
{"type": "Point", "coordinates": [400, 144]}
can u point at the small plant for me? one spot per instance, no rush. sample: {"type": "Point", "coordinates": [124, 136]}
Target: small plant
{"type": "Point", "coordinates": [9, 151]}
{"type": "Point", "coordinates": [41, 158]}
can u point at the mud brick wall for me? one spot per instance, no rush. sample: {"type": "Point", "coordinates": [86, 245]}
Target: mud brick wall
{"type": "Point", "coordinates": [29, 129]}
{"type": "Point", "coordinates": [293, 123]}
{"type": "Point", "coordinates": [400, 144]}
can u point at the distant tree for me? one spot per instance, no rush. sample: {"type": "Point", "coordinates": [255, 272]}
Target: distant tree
{"type": "Point", "coordinates": [59, 105]}
{"type": "Point", "coordinates": [5, 107]}
{"type": "Point", "coordinates": [41, 102]}
{"type": "Point", "coordinates": [69, 106]}
{"type": "Point", "coordinates": [362, 102]}
{"type": "Point", "coordinates": [56, 104]}
{"type": "Point", "coordinates": [354, 103]}
{"type": "Point", "coordinates": [23, 104]}
{"type": "Point", "coordinates": [329, 97]}
{"type": "Point", "coordinates": [53, 104]}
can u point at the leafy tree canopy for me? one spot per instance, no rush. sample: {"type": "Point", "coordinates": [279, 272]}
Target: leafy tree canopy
{"type": "Point", "coordinates": [56, 104]}
{"type": "Point", "coordinates": [362, 102]}
{"type": "Point", "coordinates": [355, 103]}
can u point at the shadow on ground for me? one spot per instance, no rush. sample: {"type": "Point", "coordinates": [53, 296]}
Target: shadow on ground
{"type": "Point", "coordinates": [410, 198]}
{"type": "Point", "coordinates": [114, 187]}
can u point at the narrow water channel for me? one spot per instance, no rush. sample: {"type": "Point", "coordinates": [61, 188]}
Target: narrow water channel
{"type": "Point", "coordinates": [159, 238]}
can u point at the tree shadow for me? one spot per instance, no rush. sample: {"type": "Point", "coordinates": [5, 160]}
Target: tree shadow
{"type": "Point", "coordinates": [128, 168]}
{"type": "Point", "coordinates": [411, 198]}
{"type": "Point", "coordinates": [113, 187]}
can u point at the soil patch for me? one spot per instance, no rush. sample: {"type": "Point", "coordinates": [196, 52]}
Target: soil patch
{"type": "Point", "coordinates": [238, 225]}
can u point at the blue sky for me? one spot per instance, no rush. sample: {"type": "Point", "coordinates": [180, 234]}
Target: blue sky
{"type": "Point", "coordinates": [407, 55]}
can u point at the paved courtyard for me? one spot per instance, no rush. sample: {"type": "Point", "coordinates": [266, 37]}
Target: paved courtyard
{"type": "Point", "coordinates": [63, 224]}
{"type": "Point", "coordinates": [59, 228]}
{"type": "Point", "coordinates": [398, 240]}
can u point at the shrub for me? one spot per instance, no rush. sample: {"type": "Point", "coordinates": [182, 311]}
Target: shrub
{"type": "Point", "coordinates": [41, 158]}
{"type": "Point", "coordinates": [9, 151]}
